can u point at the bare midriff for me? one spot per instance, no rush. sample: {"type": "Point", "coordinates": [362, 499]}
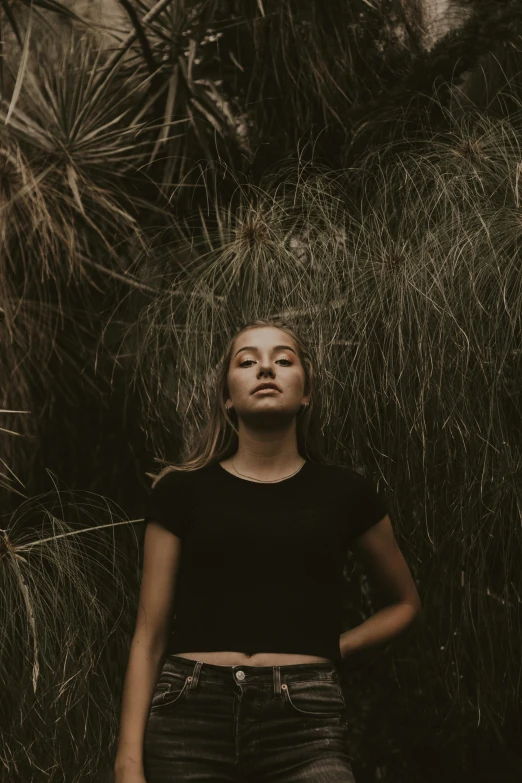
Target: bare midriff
{"type": "Point", "coordinates": [256, 659]}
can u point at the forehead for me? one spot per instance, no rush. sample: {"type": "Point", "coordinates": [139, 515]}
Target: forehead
{"type": "Point", "coordinates": [265, 336]}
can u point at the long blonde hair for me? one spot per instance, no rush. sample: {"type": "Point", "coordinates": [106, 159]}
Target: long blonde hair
{"type": "Point", "coordinates": [219, 437]}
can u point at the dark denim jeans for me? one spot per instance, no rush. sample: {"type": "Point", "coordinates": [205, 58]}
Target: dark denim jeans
{"type": "Point", "coordinates": [247, 724]}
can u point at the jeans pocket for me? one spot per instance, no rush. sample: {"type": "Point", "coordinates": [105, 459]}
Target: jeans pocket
{"type": "Point", "coordinates": [169, 690]}
{"type": "Point", "coordinates": [315, 697]}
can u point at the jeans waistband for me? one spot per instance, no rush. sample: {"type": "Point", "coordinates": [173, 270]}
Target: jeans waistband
{"type": "Point", "coordinates": [257, 674]}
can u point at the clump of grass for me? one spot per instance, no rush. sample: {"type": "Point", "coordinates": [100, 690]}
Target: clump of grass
{"type": "Point", "coordinates": [68, 583]}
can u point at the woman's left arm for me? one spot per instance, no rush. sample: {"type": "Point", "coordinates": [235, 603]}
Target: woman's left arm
{"type": "Point", "coordinates": [388, 573]}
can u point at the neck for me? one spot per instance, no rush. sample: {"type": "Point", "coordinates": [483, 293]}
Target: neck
{"type": "Point", "coordinates": [266, 454]}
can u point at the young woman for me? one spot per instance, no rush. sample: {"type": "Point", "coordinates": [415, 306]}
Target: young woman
{"type": "Point", "coordinates": [244, 550]}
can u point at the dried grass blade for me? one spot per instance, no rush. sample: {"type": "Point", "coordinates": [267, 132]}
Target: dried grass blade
{"type": "Point", "coordinates": [30, 615]}
{"type": "Point", "coordinates": [72, 179]}
{"type": "Point", "coordinates": [22, 67]}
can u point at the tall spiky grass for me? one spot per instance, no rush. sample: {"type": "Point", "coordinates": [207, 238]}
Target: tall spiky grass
{"type": "Point", "coordinates": [68, 584]}
{"type": "Point", "coordinates": [69, 207]}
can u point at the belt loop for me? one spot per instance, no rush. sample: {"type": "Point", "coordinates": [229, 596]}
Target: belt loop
{"type": "Point", "coordinates": [194, 677]}
{"type": "Point", "coordinates": [277, 681]}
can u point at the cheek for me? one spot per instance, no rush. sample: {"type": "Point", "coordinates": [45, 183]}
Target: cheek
{"type": "Point", "coordinates": [240, 381]}
{"type": "Point", "coordinates": [297, 381]}
{"type": "Point", "coordinates": [294, 388]}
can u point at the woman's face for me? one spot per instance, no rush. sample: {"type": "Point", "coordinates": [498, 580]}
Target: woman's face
{"type": "Point", "coordinates": [265, 355]}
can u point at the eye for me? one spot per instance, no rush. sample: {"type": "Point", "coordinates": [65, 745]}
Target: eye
{"type": "Point", "coordinates": [251, 360]}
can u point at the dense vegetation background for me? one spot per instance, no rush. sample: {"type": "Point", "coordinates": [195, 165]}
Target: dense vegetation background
{"type": "Point", "coordinates": [169, 170]}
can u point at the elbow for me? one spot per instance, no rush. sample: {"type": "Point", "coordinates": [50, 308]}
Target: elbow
{"type": "Point", "coordinates": [409, 610]}
{"type": "Point", "coordinates": [414, 610]}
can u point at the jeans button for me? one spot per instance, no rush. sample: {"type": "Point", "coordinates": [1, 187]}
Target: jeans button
{"type": "Point", "coordinates": [240, 675]}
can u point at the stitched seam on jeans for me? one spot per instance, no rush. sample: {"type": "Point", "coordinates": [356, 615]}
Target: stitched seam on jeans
{"type": "Point", "coordinates": [310, 712]}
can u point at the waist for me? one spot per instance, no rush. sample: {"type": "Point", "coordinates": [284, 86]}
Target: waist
{"type": "Point", "coordinates": [260, 674]}
{"type": "Point", "coordinates": [222, 658]}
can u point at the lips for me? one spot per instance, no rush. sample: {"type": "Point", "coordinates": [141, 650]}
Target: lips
{"type": "Point", "coordinates": [265, 386]}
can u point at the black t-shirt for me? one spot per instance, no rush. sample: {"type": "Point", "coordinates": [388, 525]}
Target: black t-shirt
{"type": "Point", "coordinates": [261, 567]}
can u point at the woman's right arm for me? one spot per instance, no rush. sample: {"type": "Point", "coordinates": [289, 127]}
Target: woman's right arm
{"type": "Point", "coordinates": [161, 554]}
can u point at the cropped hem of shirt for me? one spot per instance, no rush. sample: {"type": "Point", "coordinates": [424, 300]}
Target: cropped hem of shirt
{"type": "Point", "coordinates": [261, 566]}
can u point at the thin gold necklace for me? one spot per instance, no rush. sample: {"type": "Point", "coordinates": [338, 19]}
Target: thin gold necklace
{"type": "Point", "coordinates": [268, 481]}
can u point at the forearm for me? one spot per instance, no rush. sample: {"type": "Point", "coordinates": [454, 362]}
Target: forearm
{"type": "Point", "coordinates": [380, 628]}
{"type": "Point", "coordinates": [143, 670]}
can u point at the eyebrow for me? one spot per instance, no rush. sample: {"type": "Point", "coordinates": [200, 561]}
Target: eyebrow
{"type": "Point", "coordinates": [275, 348]}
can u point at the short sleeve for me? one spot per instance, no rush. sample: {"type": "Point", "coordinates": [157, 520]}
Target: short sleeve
{"type": "Point", "coordinates": [168, 503]}
{"type": "Point", "coordinates": [366, 506]}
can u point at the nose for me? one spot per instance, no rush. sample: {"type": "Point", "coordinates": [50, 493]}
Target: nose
{"type": "Point", "coordinates": [265, 369]}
